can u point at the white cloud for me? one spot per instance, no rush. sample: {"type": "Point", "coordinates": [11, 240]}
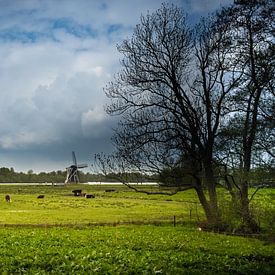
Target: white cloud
{"type": "Point", "coordinates": [44, 95]}
{"type": "Point", "coordinates": [56, 56]}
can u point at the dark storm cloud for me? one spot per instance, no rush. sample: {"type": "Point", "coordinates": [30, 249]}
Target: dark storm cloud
{"type": "Point", "coordinates": [56, 57]}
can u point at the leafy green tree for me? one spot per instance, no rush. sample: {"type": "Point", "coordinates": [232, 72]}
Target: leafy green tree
{"type": "Point", "coordinates": [249, 135]}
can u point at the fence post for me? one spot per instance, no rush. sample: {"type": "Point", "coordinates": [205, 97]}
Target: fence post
{"type": "Point", "coordinates": [197, 212]}
{"type": "Point", "coordinates": [174, 221]}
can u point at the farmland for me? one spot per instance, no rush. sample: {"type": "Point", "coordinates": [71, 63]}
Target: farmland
{"type": "Point", "coordinates": [120, 232]}
{"type": "Point", "coordinates": [60, 207]}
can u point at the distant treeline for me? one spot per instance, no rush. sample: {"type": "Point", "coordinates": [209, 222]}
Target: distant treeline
{"type": "Point", "coordinates": [169, 177]}
{"type": "Point", "coordinates": [9, 175]}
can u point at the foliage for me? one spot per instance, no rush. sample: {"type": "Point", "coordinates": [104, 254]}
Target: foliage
{"type": "Point", "coordinates": [174, 176]}
{"type": "Point", "coordinates": [130, 250]}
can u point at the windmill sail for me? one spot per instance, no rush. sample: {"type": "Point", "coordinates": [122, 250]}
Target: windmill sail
{"type": "Point", "coordinates": [72, 171]}
{"type": "Point", "coordinates": [74, 158]}
{"type": "Point", "coordinates": [82, 166]}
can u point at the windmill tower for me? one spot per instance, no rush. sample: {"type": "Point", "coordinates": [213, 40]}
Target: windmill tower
{"type": "Point", "coordinates": [72, 171]}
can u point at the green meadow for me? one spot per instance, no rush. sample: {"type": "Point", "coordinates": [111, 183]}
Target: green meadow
{"type": "Point", "coordinates": [122, 232]}
{"type": "Point", "coordinates": [60, 207]}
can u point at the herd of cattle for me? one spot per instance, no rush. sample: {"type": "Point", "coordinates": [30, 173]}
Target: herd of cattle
{"type": "Point", "coordinates": [77, 193]}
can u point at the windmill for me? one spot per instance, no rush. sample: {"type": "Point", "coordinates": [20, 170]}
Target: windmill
{"type": "Point", "coordinates": [72, 171]}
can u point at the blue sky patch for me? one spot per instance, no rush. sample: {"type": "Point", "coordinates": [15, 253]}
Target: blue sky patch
{"type": "Point", "coordinates": [17, 35]}
{"type": "Point", "coordinates": [73, 28]}
{"type": "Point", "coordinates": [114, 28]}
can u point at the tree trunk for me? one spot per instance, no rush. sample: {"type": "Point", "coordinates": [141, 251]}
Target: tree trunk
{"type": "Point", "coordinates": [249, 225]}
{"type": "Point", "coordinates": [205, 204]}
{"type": "Point", "coordinates": [210, 209]}
{"type": "Point", "coordinates": [210, 183]}
{"type": "Point", "coordinates": [211, 187]}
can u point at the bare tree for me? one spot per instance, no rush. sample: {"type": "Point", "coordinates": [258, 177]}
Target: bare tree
{"type": "Point", "coordinates": [171, 94]}
{"type": "Point", "coordinates": [193, 100]}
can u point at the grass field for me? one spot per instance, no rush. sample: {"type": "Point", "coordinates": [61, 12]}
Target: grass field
{"type": "Point", "coordinates": [63, 234]}
{"type": "Point", "coordinates": [60, 207]}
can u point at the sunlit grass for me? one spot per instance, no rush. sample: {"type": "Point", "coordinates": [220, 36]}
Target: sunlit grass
{"type": "Point", "coordinates": [130, 250]}
{"type": "Point", "coordinates": [60, 234]}
{"type": "Point", "coordinates": [60, 206]}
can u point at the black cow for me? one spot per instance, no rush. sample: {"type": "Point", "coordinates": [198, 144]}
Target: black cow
{"type": "Point", "coordinates": [8, 198]}
{"type": "Point", "coordinates": [77, 192]}
{"type": "Point", "coordinates": [90, 196]}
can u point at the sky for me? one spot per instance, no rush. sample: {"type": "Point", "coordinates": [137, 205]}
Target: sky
{"type": "Point", "coordinates": [56, 56]}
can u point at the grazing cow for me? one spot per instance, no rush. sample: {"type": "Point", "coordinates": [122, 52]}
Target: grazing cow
{"type": "Point", "coordinates": [41, 196]}
{"type": "Point", "coordinates": [89, 196]}
{"type": "Point", "coordinates": [8, 198]}
{"type": "Point", "coordinates": [77, 192]}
